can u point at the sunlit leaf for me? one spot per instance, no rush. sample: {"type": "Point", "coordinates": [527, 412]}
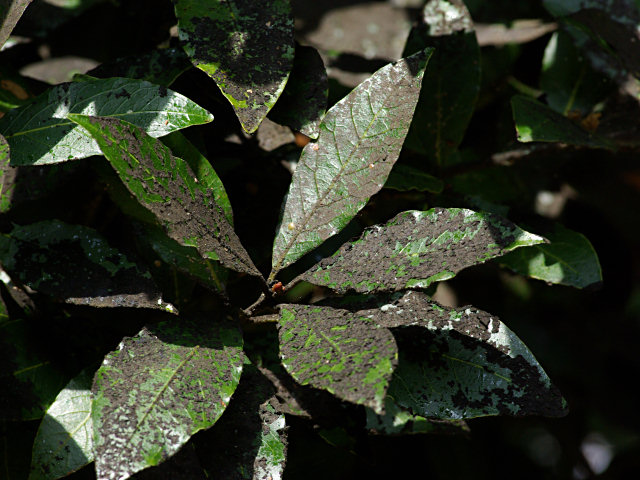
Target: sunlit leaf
{"type": "Point", "coordinates": [10, 13]}
{"type": "Point", "coordinates": [416, 249]}
{"type": "Point", "coordinates": [158, 389]}
{"type": "Point", "coordinates": [360, 140]}
{"type": "Point", "coordinates": [245, 46]}
{"type": "Point", "coordinates": [40, 132]}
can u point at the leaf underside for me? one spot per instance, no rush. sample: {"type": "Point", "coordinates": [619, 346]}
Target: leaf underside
{"type": "Point", "coordinates": [360, 140]}
{"type": "Point", "coordinates": [416, 249]}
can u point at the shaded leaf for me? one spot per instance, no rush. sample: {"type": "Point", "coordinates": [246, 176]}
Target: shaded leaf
{"type": "Point", "coordinates": [40, 132]}
{"type": "Point", "coordinates": [166, 185]}
{"type": "Point", "coordinates": [246, 47]}
{"type": "Point", "coordinates": [16, 438]}
{"type": "Point", "coordinates": [331, 349]}
{"type": "Point", "coordinates": [360, 140]}
{"type": "Point", "coordinates": [250, 440]}
{"type": "Point", "coordinates": [451, 84]}
{"type": "Point", "coordinates": [535, 122]}
{"type": "Point", "coordinates": [10, 13]}
{"type": "Point", "coordinates": [405, 178]}
{"type": "Point", "coordinates": [15, 90]}
{"type": "Point", "coordinates": [160, 67]}
{"type": "Point", "coordinates": [158, 389]}
{"type": "Point", "coordinates": [462, 363]}
{"type": "Point", "coordinates": [304, 100]}
{"type": "Point", "coordinates": [75, 264]}
{"type": "Point", "coordinates": [416, 249]}
{"type": "Point", "coordinates": [64, 441]}
{"type": "Point", "coordinates": [568, 260]}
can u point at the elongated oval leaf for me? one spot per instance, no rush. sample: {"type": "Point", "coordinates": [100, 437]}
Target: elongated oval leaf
{"type": "Point", "coordinates": [10, 13]}
{"type": "Point", "coordinates": [75, 264]}
{"type": "Point", "coordinates": [333, 350]}
{"type": "Point", "coordinates": [535, 122]}
{"type": "Point", "coordinates": [245, 46]}
{"type": "Point", "coordinates": [568, 260]}
{"type": "Point", "coordinates": [415, 249]}
{"type": "Point", "coordinates": [360, 140]}
{"type": "Point", "coordinates": [452, 82]}
{"type": "Point", "coordinates": [40, 132]}
{"type": "Point", "coordinates": [159, 388]}
{"type": "Point", "coordinates": [166, 186]}
{"type": "Point", "coordinates": [64, 442]}
{"type": "Point", "coordinates": [462, 363]}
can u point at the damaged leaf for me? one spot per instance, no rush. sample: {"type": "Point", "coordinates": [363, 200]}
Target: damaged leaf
{"type": "Point", "coordinates": [245, 46]}
{"type": "Point", "coordinates": [76, 265]}
{"type": "Point", "coordinates": [360, 140]}
{"type": "Point", "coordinates": [568, 260]}
{"type": "Point", "coordinates": [462, 363]}
{"type": "Point", "coordinates": [416, 249]}
{"type": "Point", "coordinates": [166, 186]}
{"type": "Point", "coordinates": [535, 122]}
{"type": "Point", "coordinates": [304, 100]}
{"type": "Point", "coordinates": [40, 132]}
{"type": "Point", "coordinates": [451, 84]}
{"type": "Point", "coordinates": [158, 389]}
{"type": "Point", "coordinates": [64, 441]}
{"type": "Point", "coordinates": [336, 351]}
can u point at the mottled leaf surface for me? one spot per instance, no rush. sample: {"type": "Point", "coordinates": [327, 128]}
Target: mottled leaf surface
{"type": "Point", "coordinates": [160, 67]}
{"type": "Point", "coordinates": [404, 178]}
{"type": "Point", "coordinates": [535, 122]}
{"type": "Point", "coordinates": [451, 83]}
{"type": "Point", "coordinates": [158, 389]}
{"type": "Point", "coordinates": [166, 185]}
{"type": "Point", "coordinates": [462, 363]}
{"type": "Point", "coordinates": [64, 441]}
{"type": "Point", "coordinates": [568, 260]}
{"type": "Point", "coordinates": [40, 132]}
{"type": "Point", "coordinates": [10, 13]}
{"type": "Point", "coordinates": [304, 100]}
{"type": "Point", "coordinates": [250, 440]}
{"type": "Point", "coordinates": [360, 140]}
{"type": "Point", "coordinates": [245, 46]}
{"type": "Point", "coordinates": [415, 249]}
{"type": "Point", "coordinates": [75, 264]}
{"type": "Point", "coordinates": [336, 351]}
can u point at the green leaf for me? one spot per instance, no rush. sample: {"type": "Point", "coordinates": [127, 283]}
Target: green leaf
{"type": "Point", "coordinates": [160, 67]}
{"type": "Point", "coordinates": [250, 437]}
{"type": "Point", "coordinates": [166, 186]}
{"type": "Point", "coordinates": [360, 140]}
{"type": "Point", "coordinates": [10, 13]}
{"type": "Point", "coordinates": [158, 389]}
{"type": "Point", "coordinates": [405, 178]}
{"type": "Point", "coordinates": [64, 441]}
{"type": "Point", "coordinates": [462, 363]}
{"type": "Point", "coordinates": [535, 122]}
{"type": "Point", "coordinates": [451, 84]}
{"type": "Point", "coordinates": [304, 100]}
{"type": "Point", "coordinates": [246, 47]}
{"type": "Point", "coordinates": [15, 90]}
{"type": "Point", "coordinates": [416, 249]}
{"type": "Point", "coordinates": [331, 349]}
{"type": "Point", "coordinates": [40, 132]}
{"type": "Point", "coordinates": [568, 260]}
{"type": "Point", "coordinates": [75, 264]}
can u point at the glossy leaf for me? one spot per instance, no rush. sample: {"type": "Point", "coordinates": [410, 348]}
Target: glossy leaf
{"type": "Point", "coordinates": [64, 441]}
{"type": "Point", "coordinates": [166, 186]}
{"type": "Point", "coordinates": [333, 350]}
{"type": "Point", "coordinates": [160, 67]}
{"type": "Point", "coordinates": [158, 389]}
{"type": "Point", "coordinates": [405, 178]}
{"type": "Point", "coordinates": [10, 13]}
{"type": "Point", "coordinates": [416, 249]}
{"type": "Point", "coordinates": [40, 132]}
{"type": "Point", "coordinates": [250, 440]}
{"type": "Point", "coordinates": [246, 47]}
{"type": "Point", "coordinates": [535, 122]}
{"type": "Point", "coordinates": [462, 363]}
{"type": "Point", "coordinates": [451, 84]}
{"type": "Point", "coordinates": [360, 140]}
{"type": "Point", "coordinates": [304, 100]}
{"type": "Point", "coordinates": [568, 260]}
{"type": "Point", "coordinates": [75, 264]}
